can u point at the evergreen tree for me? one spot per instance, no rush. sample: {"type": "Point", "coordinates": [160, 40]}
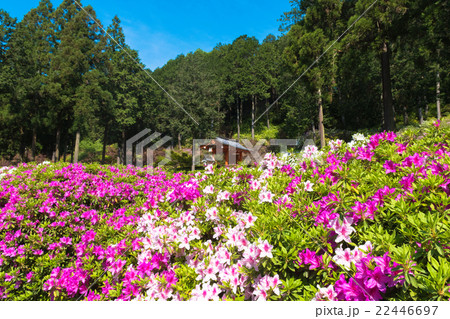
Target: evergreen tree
{"type": "Point", "coordinates": [8, 145]}
{"type": "Point", "coordinates": [125, 84]}
{"type": "Point", "coordinates": [376, 29]}
{"type": "Point", "coordinates": [75, 72]}
{"type": "Point", "coordinates": [310, 38]}
{"type": "Point", "coordinates": [31, 48]}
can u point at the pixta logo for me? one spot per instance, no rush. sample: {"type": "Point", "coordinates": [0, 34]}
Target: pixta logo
{"type": "Point", "coordinates": [150, 142]}
{"type": "Point", "coordinates": [214, 150]}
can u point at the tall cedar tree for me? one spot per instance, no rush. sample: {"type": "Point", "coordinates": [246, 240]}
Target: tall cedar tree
{"type": "Point", "coordinates": [8, 144]}
{"type": "Point", "coordinates": [125, 82]}
{"type": "Point", "coordinates": [31, 48]}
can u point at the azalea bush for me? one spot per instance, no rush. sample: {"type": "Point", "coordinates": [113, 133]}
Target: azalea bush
{"type": "Point", "coordinates": [364, 220]}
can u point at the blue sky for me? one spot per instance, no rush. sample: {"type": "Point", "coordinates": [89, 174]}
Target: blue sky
{"type": "Point", "coordinates": [160, 30]}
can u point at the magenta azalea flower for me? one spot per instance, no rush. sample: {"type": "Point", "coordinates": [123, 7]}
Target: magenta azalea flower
{"type": "Point", "coordinates": [390, 167]}
{"type": "Point", "coordinates": [308, 257]}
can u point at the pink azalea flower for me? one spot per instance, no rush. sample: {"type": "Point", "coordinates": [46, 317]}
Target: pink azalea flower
{"type": "Point", "coordinates": [377, 279]}
{"type": "Point", "coordinates": [335, 145]}
{"type": "Point", "coordinates": [212, 213]}
{"type": "Point", "coordinates": [266, 249]}
{"type": "Point", "coordinates": [343, 257]}
{"type": "Point", "coordinates": [208, 189]}
{"type": "Point", "coordinates": [255, 184]}
{"type": "Point", "coordinates": [367, 247]}
{"type": "Point", "coordinates": [65, 241]}
{"type": "Point", "coordinates": [274, 283]}
{"type": "Point", "coordinates": [209, 169]}
{"type": "Point", "coordinates": [308, 257]}
{"type": "Point", "coordinates": [29, 276]}
{"type": "Point", "coordinates": [342, 230]}
{"type": "Point", "coordinates": [401, 148]}
{"type": "Point", "coordinates": [406, 182]}
{"type": "Point", "coordinates": [249, 220]}
{"type": "Point", "coordinates": [206, 292]}
{"type": "Point", "coordinates": [223, 196]}
{"type": "Point", "coordinates": [437, 123]}
{"type": "Point", "coordinates": [251, 257]}
{"type": "Point", "coordinates": [308, 186]}
{"type": "Point", "coordinates": [194, 233]}
{"type": "Point", "coordinates": [390, 167]}
{"type": "Point", "coordinates": [184, 242]}
{"type": "Point", "coordinates": [117, 266]}
{"type": "Point", "coordinates": [210, 273]}
{"type": "Point", "coordinates": [261, 295]}
{"type": "Point", "coordinates": [223, 256]}
{"type": "Point", "coordinates": [266, 174]}
{"type": "Point", "coordinates": [38, 252]}
{"type": "Point", "coordinates": [365, 154]}
{"type": "Point", "coordinates": [218, 231]}
{"type": "Point", "coordinates": [265, 196]}
{"type": "Point", "coordinates": [89, 236]}
{"type": "Point", "coordinates": [324, 294]}
{"type": "Point", "coordinates": [233, 237]}
{"type": "Point", "coordinates": [198, 293]}
{"type": "Point", "coordinates": [352, 291]}
{"type": "Point", "coordinates": [214, 292]}
{"type": "Point", "coordinates": [8, 277]}
{"type": "Point", "coordinates": [417, 160]}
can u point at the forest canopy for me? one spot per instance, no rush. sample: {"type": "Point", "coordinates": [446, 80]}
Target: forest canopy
{"type": "Point", "coordinates": [63, 81]}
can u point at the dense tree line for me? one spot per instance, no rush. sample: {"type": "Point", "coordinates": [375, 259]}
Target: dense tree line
{"type": "Point", "coordinates": [63, 80]}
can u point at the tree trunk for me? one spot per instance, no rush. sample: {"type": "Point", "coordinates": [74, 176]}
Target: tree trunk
{"type": "Point", "coordinates": [105, 134]}
{"type": "Point", "coordinates": [253, 117]}
{"type": "Point", "coordinates": [119, 153]}
{"type": "Point", "coordinates": [193, 156]}
{"type": "Point", "coordinates": [389, 120]}
{"type": "Point", "coordinates": [57, 146]}
{"type": "Point", "coordinates": [405, 115]}
{"type": "Point", "coordinates": [420, 116]}
{"type": "Point", "coordinates": [274, 97]}
{"type": "Point", "coordinates": [179, 141]}
{"type": "Point", "coordinates": [241, 112]}
{"type": "Point", "coordinates": [238, 123]}
{"type": "Point", "coordinates": [123, 154]}
{"type": "Point", "coordinates": [77, 147]}
{"type": "Point", "coordinates": [438, 94]}
{"type": "Point", "coordinates": [267, 114]}
{"type": "Point", "coordinates": [33, 145]}
{"type": "Point", "coordinates": [321, 127]}
{"type": "Point", "coordinates": [65, 153]}
{"type": "Point", "coordinates": [333, 76]}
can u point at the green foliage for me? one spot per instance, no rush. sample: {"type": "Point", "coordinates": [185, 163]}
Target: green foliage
{"type": "Point", "coordinates": [60, 74]}
{"type": "Point", "coordinates": [90, 151]}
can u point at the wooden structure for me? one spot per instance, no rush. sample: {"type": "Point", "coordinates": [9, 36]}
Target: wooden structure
{"type": "Point", "coordinates": [223, 146]}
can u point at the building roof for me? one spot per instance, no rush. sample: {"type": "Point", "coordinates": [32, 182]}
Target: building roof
{"type": "Point", "coordinates": [230, 143]}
